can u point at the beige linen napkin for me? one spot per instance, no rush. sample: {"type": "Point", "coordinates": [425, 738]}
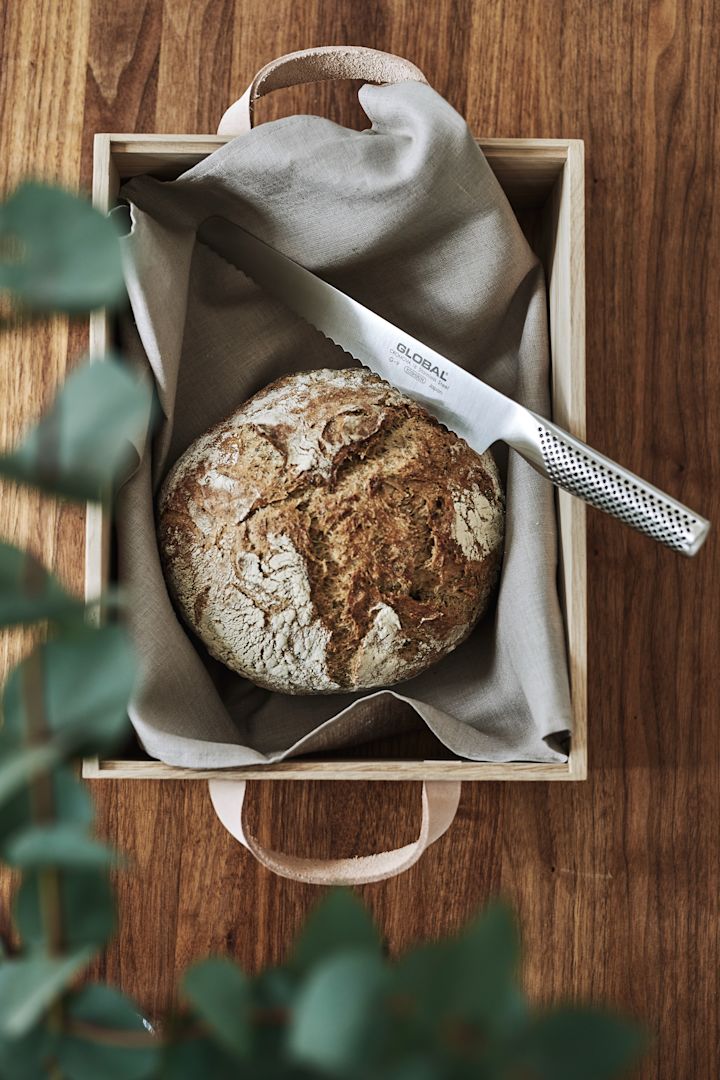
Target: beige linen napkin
{"type": "Point", "coordinates": [407, 217]}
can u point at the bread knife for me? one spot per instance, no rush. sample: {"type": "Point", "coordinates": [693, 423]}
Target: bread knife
{"type": "Point", "coordinates": [465, 404]}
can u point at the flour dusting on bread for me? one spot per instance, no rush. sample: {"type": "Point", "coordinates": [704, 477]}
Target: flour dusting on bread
{"type": "Point", "coordinates": [331, 535]}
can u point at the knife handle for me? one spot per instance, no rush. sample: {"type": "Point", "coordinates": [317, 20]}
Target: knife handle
{"type": "Point", "coordinates": [572, 465]}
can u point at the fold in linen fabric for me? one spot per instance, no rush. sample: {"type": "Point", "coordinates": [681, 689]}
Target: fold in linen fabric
{"type": "Point", "coordinates": [408, 218]}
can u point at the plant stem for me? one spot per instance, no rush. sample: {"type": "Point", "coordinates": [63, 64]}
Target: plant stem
{"type": "Point", "coordinates": [51, 908]}
{"type": "Point", "coordinates": [42, 798]}
{"type": "Point", "coordinates": [42, 802]}
{"type": "Point", "coordinates": [131, 1040]}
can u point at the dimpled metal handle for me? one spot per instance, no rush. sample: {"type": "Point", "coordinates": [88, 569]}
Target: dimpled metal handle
{"type": "Point", "coordinates": [576, 468]}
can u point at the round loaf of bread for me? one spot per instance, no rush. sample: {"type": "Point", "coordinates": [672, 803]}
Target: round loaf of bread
{"type": "Point", "coordinates": [331, 535]}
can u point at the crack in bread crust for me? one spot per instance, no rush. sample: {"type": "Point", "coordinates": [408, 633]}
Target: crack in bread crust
{"type": "Point", "coordinates": [331, 535]}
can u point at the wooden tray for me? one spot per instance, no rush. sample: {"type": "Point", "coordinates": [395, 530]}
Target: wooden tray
{"type": "Point", "coordinates": [544, 181]}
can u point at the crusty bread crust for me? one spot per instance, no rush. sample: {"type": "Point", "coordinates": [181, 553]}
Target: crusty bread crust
{"type": "Point", "coordinates": [331, 535]}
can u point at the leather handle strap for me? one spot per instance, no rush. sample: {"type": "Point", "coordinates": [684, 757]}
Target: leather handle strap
{"type": "Point", "coordinates": [316, 65]}
{"type": "Point", "coordinates": [439, 805]}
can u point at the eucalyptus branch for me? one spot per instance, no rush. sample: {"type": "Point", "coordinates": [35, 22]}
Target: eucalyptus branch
{"type": "Point", "coordinates": [42, 797]}
{"type": "Point", "coordinates": [178, 1032]}
{"type": "Point", "coordinates": [42, 802]}
{"type": "Point", "coordinates": [115, 1037]}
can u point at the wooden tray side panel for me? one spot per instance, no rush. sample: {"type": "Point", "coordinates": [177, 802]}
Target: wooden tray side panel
{"type": "Point", "coordinates": [106, 183]}
{"type": "Point", "coordinates": [526, 168]}
{"type": "Point", "coordinates": [566, 298]}
{"type": "Point", "coordinates": [95, 769]}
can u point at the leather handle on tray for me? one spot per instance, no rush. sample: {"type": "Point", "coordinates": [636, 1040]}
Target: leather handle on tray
{"type": "Point", "coordinates": [316, 65]}
{"type": "Point", "coordinates": [440, 800]}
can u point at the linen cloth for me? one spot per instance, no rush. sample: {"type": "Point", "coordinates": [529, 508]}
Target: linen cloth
{"type": "Point", "coordinates": [408, 218]}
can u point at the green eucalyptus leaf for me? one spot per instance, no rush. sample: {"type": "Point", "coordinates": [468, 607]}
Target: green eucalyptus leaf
{"type": "Point", "coordinates": [88, 676]}
{"type": "Point", "coordinates": [28, 592]}
{"type": "Point", "coordinates": [17, 767]}
{"type": "Point", "coordinates": [28, 986]}
{"type": "Point", "coordinates": [220, 995]}
{"type": "Point", "coordinates": [486, 968]}
{"type": "Point", "coordinates": [82, 1056]}
{"type": "Point", "coordinates": [84, 443]}
{"type": "Point", "coordinates": [87, 903]}
{"type": "Point", "coordinates": [274, 988]}
{"type": "Point", "coordinates": [192, 1059]}
{"type": "Point", "coordinates": [58, 844]}
{"type": "Point", "coordinates": [421, 1067]}
{"type": "Point", "coordinates": [471, 978]}
{"type": "Point", "coordinates": [339, 922]}
{"type": "Point", "coordinates": [261, 1068]}
{"type": "Point", "coordinates": [340, 1014]}
{"type": "Point", "coordinates": [570, 1042]}
{"type": "Point", "coordinates": [27, 1057]}
{"type": "Point", "coordinates": [273, 996]}
{"type": "Point", "coordinates": [71, 805]}
{"type": "Point", "coordinates": [57, 253]}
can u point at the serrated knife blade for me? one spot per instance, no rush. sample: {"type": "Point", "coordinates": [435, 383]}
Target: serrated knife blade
{"type": "Point", "coordinates": [464, 403]}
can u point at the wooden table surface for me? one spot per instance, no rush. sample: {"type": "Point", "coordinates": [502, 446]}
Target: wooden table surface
{"type": "Point", "coordinates": [615, 880]}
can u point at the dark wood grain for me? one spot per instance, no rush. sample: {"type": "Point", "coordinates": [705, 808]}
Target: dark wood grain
{"type": "Point", "coordinates": [616, 881]}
